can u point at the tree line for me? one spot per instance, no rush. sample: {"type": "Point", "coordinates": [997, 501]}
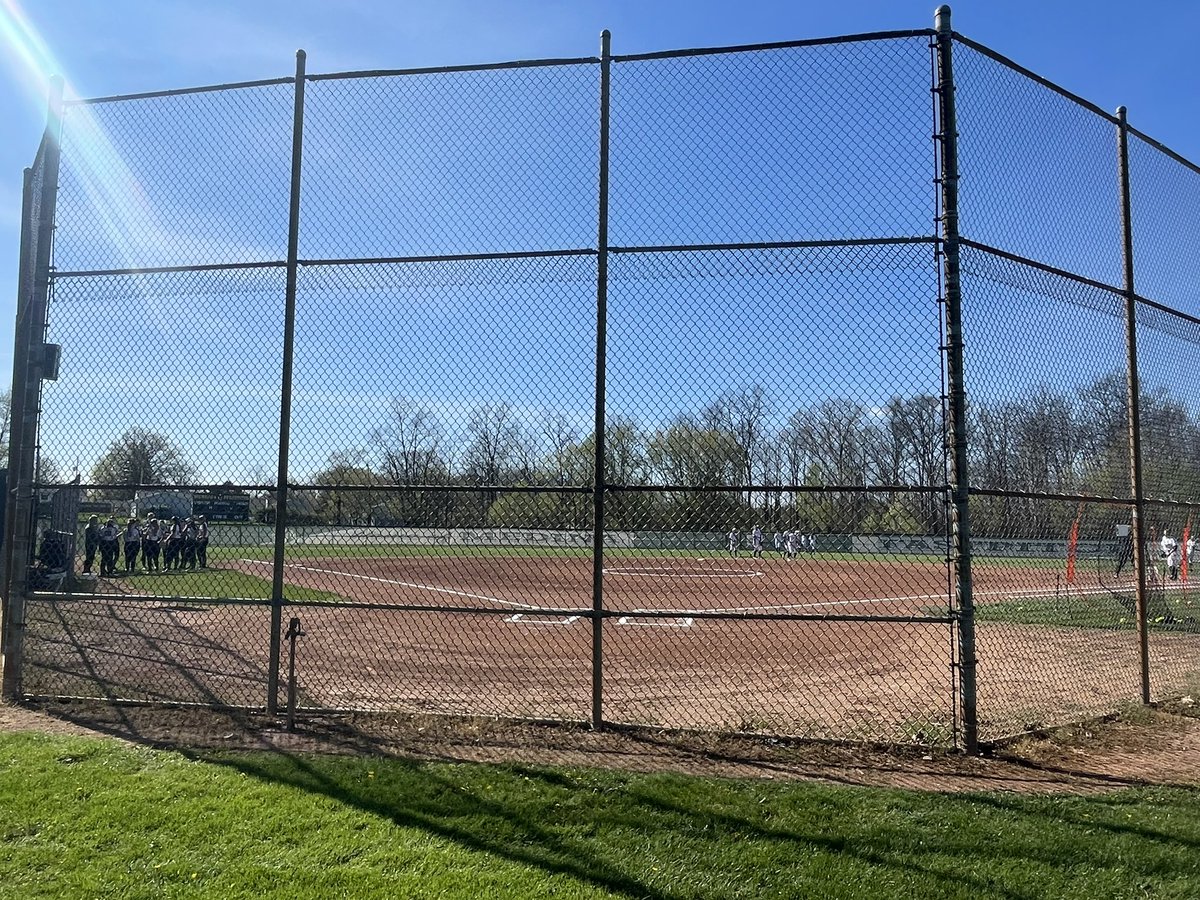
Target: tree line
{"type": "Point", "coordinates": [885, 467]}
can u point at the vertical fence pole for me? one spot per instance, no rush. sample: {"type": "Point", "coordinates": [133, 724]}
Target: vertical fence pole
{"type": "Point", "coordinates": [285, 399]}
{"type": "Point", "coordinates": [598, 480]}
{"type": "Point", "coordinates": [1132, 407]}
{"type": "Point", "coordinates": [31, 334]}
{"type": "Point", "coordinates": [12, 612]}
{"type": "Point", "coordinates": [955, 382]}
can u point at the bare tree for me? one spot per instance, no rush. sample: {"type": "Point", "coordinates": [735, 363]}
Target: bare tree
{"type": "Point", "coordinates": [743, 414]}
{"type": "Point", "coordinates": [408, 444]}
{"type": "Point", "coordinates": [831, 437]}
{"type": "Point", "coordinates": [493, 435]}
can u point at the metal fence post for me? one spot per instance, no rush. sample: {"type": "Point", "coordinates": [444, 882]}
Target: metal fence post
{"type": "Point", "coordinates": [28, 366]}
{"type": "Point", "coordinates": [955, 382]}
{"type": "Point", "coordinates": [285, 401]}
{"type": "Point", "coordinates": [12, 612]}
{"type": "Point", "coordinates": [1132, 407]}
{"type": "Point", "coordinates": [598, 486]}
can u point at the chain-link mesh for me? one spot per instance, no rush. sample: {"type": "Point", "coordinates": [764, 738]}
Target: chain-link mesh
{"type": "Point", "coordinates": [175, 181]}
{"type": "Point", "coordinates": [132, 647]}
{"type": "Point", "coordinates": [1055, 617]}
{"type": "Point", "coordinates": [1039, 170]}
{"type": "Point", "coordinates": [1169, 405]}
{"type": "Point", "coordinates": [803, 143]}
{"type": "Point", "coordinates": [190, 357]}
{"type": "Point", "coordinates": [1047, 380]}
{"type": "Point", "coordinates": [767, 547]}
{"type": "Point", "coordinates": [1164, 194]}
{"type": "Point", "coordinates": [448, 369]}
{"type": "Point", "coordinates": [488, 161]}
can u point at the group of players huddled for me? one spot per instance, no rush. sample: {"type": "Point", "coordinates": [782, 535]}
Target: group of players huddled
{"type": "Point", "coordinates": [789, 543]}
{"type": "Point", "coordinates": [163, 545]}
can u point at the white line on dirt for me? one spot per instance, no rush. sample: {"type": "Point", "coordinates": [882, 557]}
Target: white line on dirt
{"type": "Point", "coordinates": [408, 584]}
{"type": "Point", "coordinates": [682, 622]}
{"type": "Point", "coordinates": [524, 619]}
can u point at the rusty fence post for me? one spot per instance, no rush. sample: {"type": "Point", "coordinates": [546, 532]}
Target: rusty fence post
{"type": "Point", "coordinates": [598, 478]}
{"type": "Point", "coordinates": [955, 382]}
{"type": "Point", "coordinates": [285, 394]}
{"type": "Point", "coordinates": [1133, 389]}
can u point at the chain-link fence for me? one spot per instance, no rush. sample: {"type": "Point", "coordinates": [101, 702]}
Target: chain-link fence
{"type": "Point", "coordinates": [782, 389]}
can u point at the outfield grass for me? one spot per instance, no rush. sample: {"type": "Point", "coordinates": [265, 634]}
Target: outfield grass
{"type": "Point", "coordinates": [93, 817]}
{"type": "Point", "coordinates": [1090, 611]}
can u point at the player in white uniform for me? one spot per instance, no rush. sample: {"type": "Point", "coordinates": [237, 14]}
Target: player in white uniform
{"type": "Point", "coordinates": [733, 542]}
{"type": "Point", "coordinates": [1170, 552]}
{"type": "Point", "coordinates": [756, 538]}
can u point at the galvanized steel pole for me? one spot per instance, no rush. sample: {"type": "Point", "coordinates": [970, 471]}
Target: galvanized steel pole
{"type": "Point", "coordinates": [598, 480]}
{"type": "Point", "coordinates": [955, 383]}
{"type": "Point", "coordinates": [1133, 393]}
{"type": "Point", "coordinates": [285, 401]}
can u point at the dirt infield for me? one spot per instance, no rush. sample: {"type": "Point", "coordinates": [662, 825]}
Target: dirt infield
{"type": "Point", "coordinates": [500, 653]}
{"type": "Point", "coordinates": [671, 585]}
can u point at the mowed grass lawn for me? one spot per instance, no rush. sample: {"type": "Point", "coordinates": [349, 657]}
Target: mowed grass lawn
{"type": "Point", "coordinates": [89, 817]}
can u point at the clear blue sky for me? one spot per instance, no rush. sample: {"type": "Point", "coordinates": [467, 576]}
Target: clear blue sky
{"type": "Point", "coordinates": [1109, 53]}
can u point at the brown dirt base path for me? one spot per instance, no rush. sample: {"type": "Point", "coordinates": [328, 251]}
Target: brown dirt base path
{"type": "Point", "coordinates": [1146, 747]}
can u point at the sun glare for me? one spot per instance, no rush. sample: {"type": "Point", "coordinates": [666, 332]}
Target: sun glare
{"type": "Point", "coordinates": [92, 161]}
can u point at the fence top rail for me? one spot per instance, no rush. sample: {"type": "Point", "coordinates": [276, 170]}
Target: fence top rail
{"type": "Point", "coordinates": [467, 67]}
{"type": "Point", "coordinates": [1163, 148]}
{"type": "Point", "coordinates": [779, 45]}
{"type": "Point", "coordinates": [511, 64]}
{"type": "Point", "coordinates": [178, 92]}
{"type": "Point", "coordinates": [1033, 76]}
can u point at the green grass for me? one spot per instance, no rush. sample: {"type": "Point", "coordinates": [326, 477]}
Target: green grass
{"type": "Point", "coordinates": [1090, 611]}
{"type": "Point", "coordinates": [87, 817]}
{"type": "Point", "coordinates": [217, 582]}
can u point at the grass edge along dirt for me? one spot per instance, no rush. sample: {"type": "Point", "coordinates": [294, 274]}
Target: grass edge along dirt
{"type": "Point", "coordinates": [217, 582]}
{"type": "Point", "coordinates": [97, 817]}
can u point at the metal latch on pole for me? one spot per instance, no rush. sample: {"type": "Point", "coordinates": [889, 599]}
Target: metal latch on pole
{"type": "Point", "coordinates": [294, 631]}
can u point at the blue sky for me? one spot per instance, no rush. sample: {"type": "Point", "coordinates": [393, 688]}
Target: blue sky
{"type": "Point", "coordinates": [1098, 50]}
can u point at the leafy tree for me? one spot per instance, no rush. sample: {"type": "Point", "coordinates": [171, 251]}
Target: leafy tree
{"type": "Point", "coordinates": [141, 457]}
{"type": "Point", "coordinates": [343, 507]}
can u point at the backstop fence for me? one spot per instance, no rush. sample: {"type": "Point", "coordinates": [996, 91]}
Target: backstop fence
{"type": "Point", "coordinates": [836, 388]}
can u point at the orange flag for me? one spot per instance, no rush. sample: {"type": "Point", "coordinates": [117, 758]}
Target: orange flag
{"type": "Point", "coordinates": [1072, 545]}
{"type": "Point", "coordinates": [1187, 536]}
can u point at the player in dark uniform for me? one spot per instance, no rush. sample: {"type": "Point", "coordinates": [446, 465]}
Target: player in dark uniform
{"type": "Point", "coordinates": [188, 560]}
{"type": "Point", "coordinates": [202, 541]}
{"type": "Point", "coordinates": [171, 545]}
{"type": "Point", "coordinates": [109, 548]}
{"type": "Point", "coordinates": [133, 545]}
{"type": "Point", "coordinates": [151, 542]}
{"type": "Point", "coordinates": [91, 543]}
